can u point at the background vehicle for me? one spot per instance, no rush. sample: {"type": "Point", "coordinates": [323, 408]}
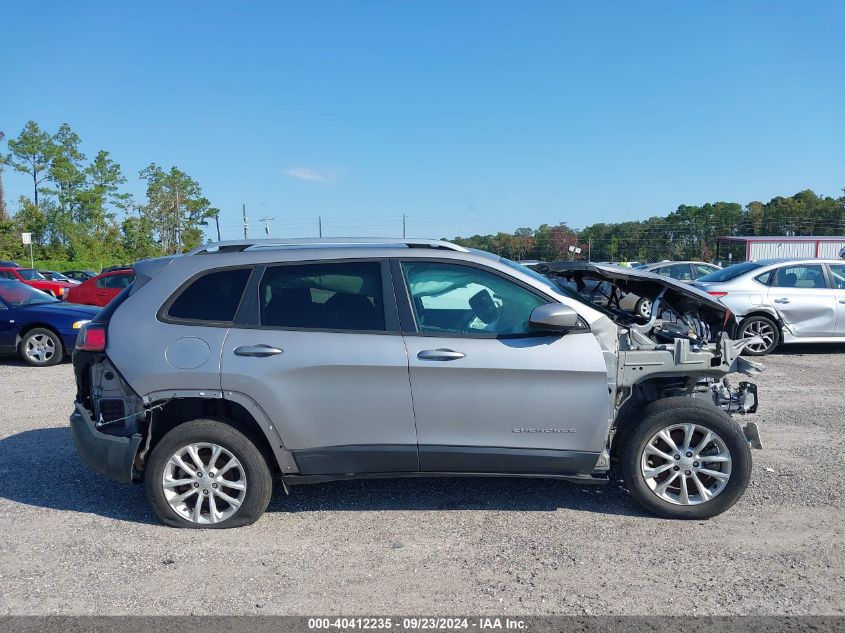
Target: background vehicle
{"type": "Point", "coordinates": [682, 271]}
{"type": "Point", "coordinates": [304, 357]}
{"type": "Point", "coordinates": [687, 271]}
{"type": "Point", "coordinates": [783, 301]}
{"type": "Point", "coordinates": [99, 290]}
{"type": "Point", "coordinates": [79, 275]}
{"type": "Point", "coordinates": [4, 263]}
{"type": "Point", "coordinates": [37, 326]}
{"type": "Point", "coordinates": [35, 279]}
{"type": "Point", "coordinates": [52, 275]}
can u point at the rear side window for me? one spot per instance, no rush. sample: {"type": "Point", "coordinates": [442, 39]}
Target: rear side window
{"type": "Point", "coordinates": [800, 276]}
{"type": "Point", "coordinates": [213, 297]}
{"type": "Point", "coordinates": [115, 282]}
{"type": "Point", "coordinates": [327, 296]}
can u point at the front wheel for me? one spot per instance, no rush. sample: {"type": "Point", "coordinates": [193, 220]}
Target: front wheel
{"type": "Point", "coordinates": [207, 474]}
{"type": "Point", "coordinates": [41, 347]}
{"type": "Point", "coordinates": [686, 459]}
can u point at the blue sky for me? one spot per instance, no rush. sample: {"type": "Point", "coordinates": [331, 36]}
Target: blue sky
{"type": "Point", "coordinates": [469, 117]}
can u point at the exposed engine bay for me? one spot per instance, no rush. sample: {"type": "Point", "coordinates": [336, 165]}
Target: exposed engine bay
{"type": "Point", "coordinates": [676, 310]}
{"type": "Point", "coordinates": [684, 346]}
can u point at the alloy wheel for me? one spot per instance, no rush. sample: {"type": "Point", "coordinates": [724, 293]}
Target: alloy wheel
{"type": "Point", "coordinates": [204, 483]}
{"type": "Point", "coordinates": [40, 348]}
{"type": "Point", "coordinates": [645, 308]}
{"type": "Point", "coordinates": [765, 331]}
{"type": "Point", "coordinates": [686, 464]}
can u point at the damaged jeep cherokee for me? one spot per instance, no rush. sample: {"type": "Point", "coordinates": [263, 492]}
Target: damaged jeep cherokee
{"type": "Point", "coordinates": [306, 361]}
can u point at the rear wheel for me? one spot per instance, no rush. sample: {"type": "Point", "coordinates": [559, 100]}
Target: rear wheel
{"type": "Point", "coordinates": [41, 347]}
{"type": "Point", "coordinates": [207, 474]}
{"type": "Point", "coordinates": [686, 459]}
{"type": "Point", "coordinates": [763, 327]}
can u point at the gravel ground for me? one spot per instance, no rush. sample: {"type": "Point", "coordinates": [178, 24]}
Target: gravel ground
{"type": "Point", "coordinates": [72, 542]}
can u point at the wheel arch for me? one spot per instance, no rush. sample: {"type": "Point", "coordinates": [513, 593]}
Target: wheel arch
{"type": "Point", "coordinates": [25, 329]}
{"type": "Point", "coordinates": [179, 410]}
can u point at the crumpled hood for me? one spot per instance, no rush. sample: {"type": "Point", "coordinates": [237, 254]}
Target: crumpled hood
{"type": "Point", "coordinates": [681, 296]}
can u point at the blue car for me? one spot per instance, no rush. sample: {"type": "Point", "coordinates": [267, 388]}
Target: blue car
{"type": "Point", "coordinates": [35, 325]}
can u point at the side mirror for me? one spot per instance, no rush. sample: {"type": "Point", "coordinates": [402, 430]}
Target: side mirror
{"type": "Point", "coordinates": [553, 317]}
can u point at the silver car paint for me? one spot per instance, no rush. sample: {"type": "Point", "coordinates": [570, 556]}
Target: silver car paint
{"type": "Point", "coordinates": [328, 389]}
{"type": "Point", "coordinates": [807, 314]}
{"type": "Point", "coordinates": [501, 384]}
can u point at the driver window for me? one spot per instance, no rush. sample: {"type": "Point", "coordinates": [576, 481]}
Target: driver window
{"type": "Point", "coordinates": [456, 299]}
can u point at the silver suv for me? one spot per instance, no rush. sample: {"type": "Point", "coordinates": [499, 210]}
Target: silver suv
{"type": "Point", "coordinates": [326, 360]}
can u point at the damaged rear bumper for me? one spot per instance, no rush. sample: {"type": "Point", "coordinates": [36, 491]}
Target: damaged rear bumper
{"type": "Point", "coordinates": [108, 455]}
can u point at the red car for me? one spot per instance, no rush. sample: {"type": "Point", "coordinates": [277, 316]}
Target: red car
{"type": "Point", "coordinates": [99, 290]}
{"type": "Point", "coordinates": [33, 278]}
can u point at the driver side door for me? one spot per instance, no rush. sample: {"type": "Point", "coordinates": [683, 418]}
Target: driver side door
{"type": "Point", "coordinates": [489, 394]}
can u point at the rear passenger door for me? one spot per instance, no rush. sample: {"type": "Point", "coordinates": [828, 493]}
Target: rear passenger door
{"type": "Point", "coordinates": [799, 293]}
{"type": "Point", "coordinates": [318, 347]}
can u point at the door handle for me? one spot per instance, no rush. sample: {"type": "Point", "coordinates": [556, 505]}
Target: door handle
{"type": "Point", "coordinates": [842, 301]}
{"type": "Point", "coordinates": [782, 300]}
{"type": "Point", "coordinates": [257, 350]}
{"type": "Point", "coordinates": [440, 354]}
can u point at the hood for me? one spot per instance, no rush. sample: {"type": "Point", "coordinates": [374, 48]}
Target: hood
{"type": "Point", "coordinates": [59, 308]}
{"type": "Point", "coordinates": [681, 296]}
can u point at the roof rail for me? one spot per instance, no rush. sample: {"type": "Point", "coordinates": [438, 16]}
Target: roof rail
{"type": "Point", "coordinates": [239, 246]}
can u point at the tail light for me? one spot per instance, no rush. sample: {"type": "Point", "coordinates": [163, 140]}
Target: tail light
{"type": "Point", "coordinates": [718, 295]}
{"type": "Point", "coordinates": [92, 337]}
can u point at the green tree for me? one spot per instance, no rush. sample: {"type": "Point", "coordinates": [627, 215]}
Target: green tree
{"type": "Point", "coordinates": [31, 153]}
{"type": "Point", "coordinates": [176, 206]}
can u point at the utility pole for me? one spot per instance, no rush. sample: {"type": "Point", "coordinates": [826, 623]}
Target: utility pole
{"type": "Point", "coordinates": [217, 223]}
{"type": "Point", "coordinates": [246, 226]}
{"type": "Point", "coordinates": [266, 221]}
{"type": "Point", "coordinates": [403, 226]}
{"type": "Point", "coordinates": [320, 225]}
{"type": "Point", "coordinates": [589, 249]}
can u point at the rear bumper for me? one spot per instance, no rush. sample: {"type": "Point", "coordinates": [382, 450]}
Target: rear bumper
{"type": "Point", "coordinates": [108, 455]}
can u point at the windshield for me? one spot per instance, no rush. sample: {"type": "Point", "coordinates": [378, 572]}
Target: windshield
{"type": "Point", "coordinates": [18, 295]}
{"type": "Point", "coordinates": [28, 274]}
{"type": "Point", "coordinates": [731, 272]}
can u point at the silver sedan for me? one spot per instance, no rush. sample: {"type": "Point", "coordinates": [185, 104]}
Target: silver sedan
{"type": "Point", "coordinates": [783, 301]}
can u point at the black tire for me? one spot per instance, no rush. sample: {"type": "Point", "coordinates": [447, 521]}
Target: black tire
{"type": "Point", "coordinates": [37, 337]}
{"type": "Point", "coordinates": [257, 473]}
{"type": "Point", "coordinates": [749, 323]}
{"type": "Point", "coordinates": [681, 410]}
{"type": "Point", "coordinates": [643, 308]}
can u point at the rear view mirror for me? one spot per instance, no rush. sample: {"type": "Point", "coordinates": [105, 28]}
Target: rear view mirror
{"type": "Point", "coordinates": [553, 317]}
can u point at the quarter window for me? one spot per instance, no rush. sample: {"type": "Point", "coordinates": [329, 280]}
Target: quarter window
{"type": "Point", "coordinates": [800, 276]}
{"type": "Point", "coordinates": [455, 299]}
{"type": "Point", "coordinates": [328, 296]}
{"type": "Point", "coordinates": [681, 272]}
{"type": "Point", "coordinates": [213, 297]}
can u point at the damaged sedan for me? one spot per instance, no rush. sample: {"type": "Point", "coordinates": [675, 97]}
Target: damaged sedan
{"type": "Point", "coordinates": [241, 364]}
